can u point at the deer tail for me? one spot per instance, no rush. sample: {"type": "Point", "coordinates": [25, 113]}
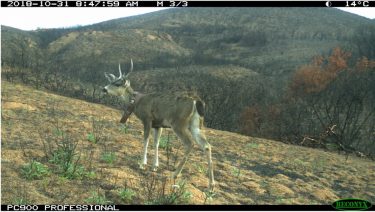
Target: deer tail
{"type": "Point", "coordinates": [200, 107]}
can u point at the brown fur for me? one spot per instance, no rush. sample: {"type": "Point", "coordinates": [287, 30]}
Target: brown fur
{"type": "Point", "coordinates": [183, 112]}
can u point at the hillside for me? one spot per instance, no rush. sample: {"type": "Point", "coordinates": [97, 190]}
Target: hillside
{"type": "Point", "coordinates": [261, 46]}
{"type": "Point", "coordinates": [103, 166]}
{"type": "Point", "coordinates": [270, 40]}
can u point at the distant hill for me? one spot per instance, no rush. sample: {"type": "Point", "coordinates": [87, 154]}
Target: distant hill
{"type": "Point", "coordinates": [262, 46]}
{"type": "Point", "coordinates": [260, 38]}
{"type": "Point", "coordinates": [268, 40]}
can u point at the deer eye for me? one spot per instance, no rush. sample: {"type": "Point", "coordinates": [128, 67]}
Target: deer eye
{"type": "Point", "coordinates": [118, 83]}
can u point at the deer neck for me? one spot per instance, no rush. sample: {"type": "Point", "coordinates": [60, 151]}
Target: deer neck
{"type": "Point", "coordinates": [131, 97]}
{"type": "Point", "coordinates": [137, 96]}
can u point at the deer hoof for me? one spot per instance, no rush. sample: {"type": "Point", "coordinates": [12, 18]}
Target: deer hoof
{"type": "Point", "coordinates": [155, 169]}
{"type": "Point", "coordinates": [142, 166]}
{"type": "Point", "coordinates": [211, 187]}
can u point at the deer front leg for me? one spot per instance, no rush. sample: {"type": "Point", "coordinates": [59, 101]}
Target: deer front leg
{"type": "Point", "coordinates": [147, 127]}
{"type": "Point", "coordinates": [157, 134]}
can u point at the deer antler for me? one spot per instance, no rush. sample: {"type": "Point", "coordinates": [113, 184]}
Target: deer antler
{"type": "Point", "coordinates": [119, 69]}
{"type": "Point", "coordinates": [131, 67]}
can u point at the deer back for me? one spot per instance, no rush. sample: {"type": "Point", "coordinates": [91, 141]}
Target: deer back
{"type": "Point", "coordinates": [165, 109]}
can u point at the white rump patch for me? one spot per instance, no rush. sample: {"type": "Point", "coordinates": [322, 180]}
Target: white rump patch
{"type": "Point", "coordinates": [194, 125]}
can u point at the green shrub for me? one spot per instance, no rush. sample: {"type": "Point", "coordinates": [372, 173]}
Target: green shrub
{"type": "Point", "coordinates": [164, 142]}
{"type": "Point", "coordinates": [200, 168]}
{"type": "Point", "coordinates": [66, 157]}
{"type": "Point", "coordinates": [209, 195]}
{"type": "Point", "coordinates": [252, 145]}
{"type": "Point", "coordinates": [124, 128]}
{"type": "Point", "coordinates": [178, 195]}
{"type": "Point", "coordinates": [236, 172]}
{"type": "Point", "coordinates": [97, 199]}
{"type": "Point", "coordinates": [34, 170]}
{"type": "Point", "coordinates": [108, 157]}
{"type": "Point", "coordinates": [20, 201]}
{"type": "Point", "coordinates": [91, 138]}
{"type": "Point", "coordinates": [127, 194]}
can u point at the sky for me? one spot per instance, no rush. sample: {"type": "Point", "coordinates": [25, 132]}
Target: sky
{"type": "Point", "coordinates": [368, 12]}
{"type": "Point", "coordinates": [34, 18]}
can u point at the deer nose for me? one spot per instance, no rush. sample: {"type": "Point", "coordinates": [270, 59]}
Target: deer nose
{"type": "Point", "coordinates": [104, 90]}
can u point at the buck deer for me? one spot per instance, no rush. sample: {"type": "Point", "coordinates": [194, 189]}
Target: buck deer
{"type": "Point", "coordinates": [181, 112]}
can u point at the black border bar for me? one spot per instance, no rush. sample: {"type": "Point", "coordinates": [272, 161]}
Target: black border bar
{"type": "Point", "coordinates": [276, 3]}
{"type": "Point", "coordinates": [186, 3]}
{"type": "Point", "coordinates": [172, 208]}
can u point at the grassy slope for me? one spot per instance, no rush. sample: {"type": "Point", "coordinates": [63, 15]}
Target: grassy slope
{"type": "Point", "coordinates": [248, 170]}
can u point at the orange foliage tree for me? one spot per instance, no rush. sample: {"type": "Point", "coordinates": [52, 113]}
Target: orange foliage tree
{"type": "Point", "coordinates": [315, 77]}
{"type": "Point", "coordinates": [330, 101]}
{"type": "Point", "coordinates": [336, 96]}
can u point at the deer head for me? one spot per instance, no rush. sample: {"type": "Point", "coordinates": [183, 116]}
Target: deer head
{"type": "Point", "coordinates": [119, 86]}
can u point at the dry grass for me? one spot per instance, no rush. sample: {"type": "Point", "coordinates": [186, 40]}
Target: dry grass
{"type": "Point", "coordinates": [247, 170]}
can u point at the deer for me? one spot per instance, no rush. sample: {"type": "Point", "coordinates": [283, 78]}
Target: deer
{"type": "Point", "coordinates": [184, 113]}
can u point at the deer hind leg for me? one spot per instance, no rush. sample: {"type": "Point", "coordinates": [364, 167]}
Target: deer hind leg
{"type": "Point", "coordinates": [206, 147]}
{"type": "Point", "coordinates": [157, 134]}
{"type": "Point", "coordinates": [200, 139]}
{"type": "Point", "coordinates": [187, 139]}
{"type": "Point", "coordinates": [147, 127]}
{"type": "Point", "coordinates": [207, 150]}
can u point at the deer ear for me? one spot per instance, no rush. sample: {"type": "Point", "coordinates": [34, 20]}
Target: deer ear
{"type": "Point", "coordinates": [110, 77]}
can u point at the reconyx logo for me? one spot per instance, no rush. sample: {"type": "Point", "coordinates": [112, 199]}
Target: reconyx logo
{"type": "Point", "coordinates": [352, 204]}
